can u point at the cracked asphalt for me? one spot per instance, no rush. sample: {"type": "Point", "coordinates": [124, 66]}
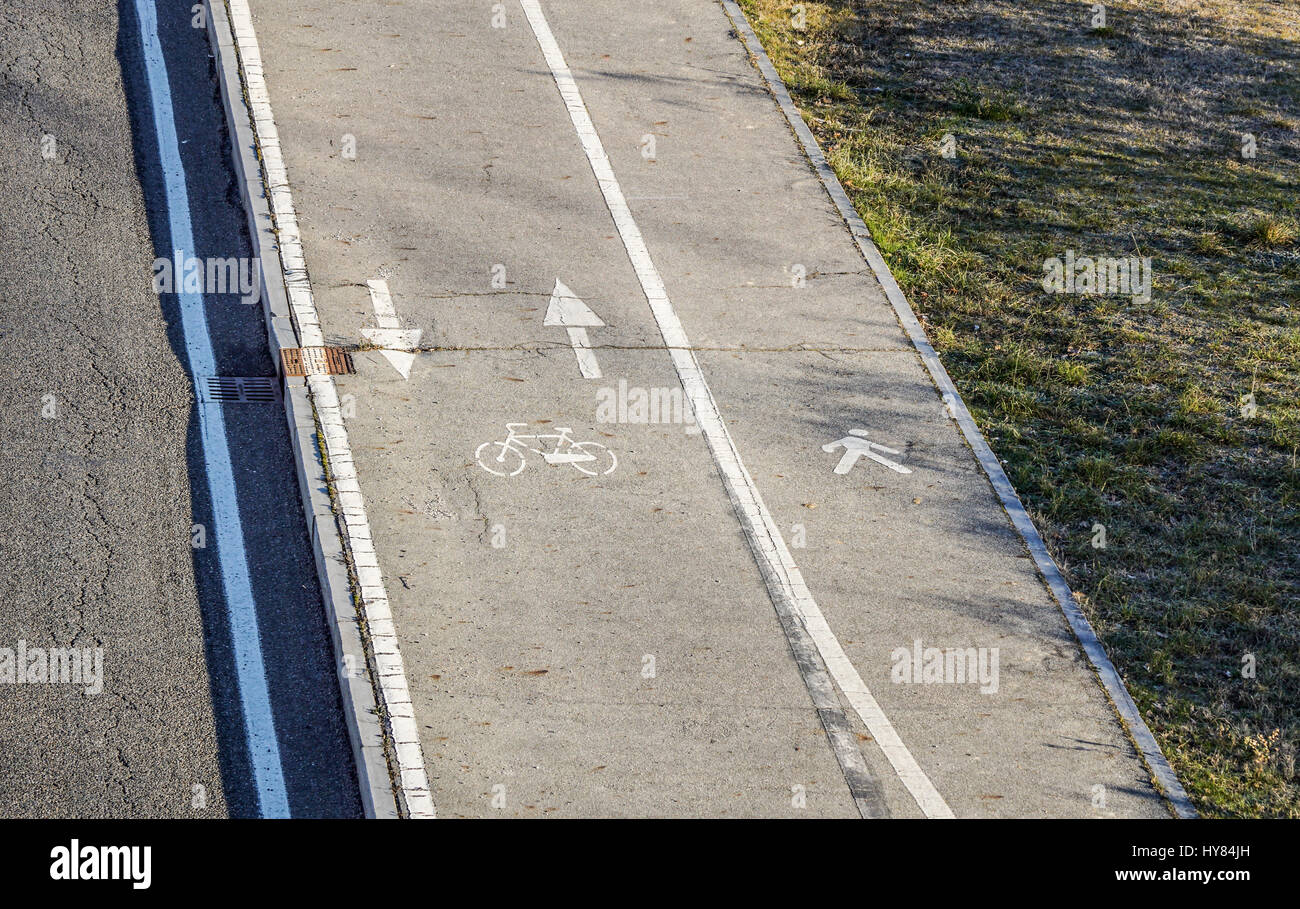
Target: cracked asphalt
{"type": "Point", "coordinates": [101, 478]}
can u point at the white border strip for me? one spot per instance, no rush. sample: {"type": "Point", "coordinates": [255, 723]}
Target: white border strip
{"type": "Point", "coordinates": [783, 579]}
{"type": "Point", "coordinates": [1163, 774]}
{"type": "Point", "coordinates": [232, 557]}
{"type": "Point", "coordinates": [386, 659]}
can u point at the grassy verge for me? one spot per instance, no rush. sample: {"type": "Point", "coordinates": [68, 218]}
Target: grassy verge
{"type": "Point", "coordinates": [980, 139]}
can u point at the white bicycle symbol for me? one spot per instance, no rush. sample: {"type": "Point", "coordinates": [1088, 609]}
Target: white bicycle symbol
{"type": "Point", "coordinates": [508, 458]}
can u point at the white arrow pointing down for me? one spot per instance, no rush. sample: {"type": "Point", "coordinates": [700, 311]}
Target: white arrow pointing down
{"type": "Point", "coordinates": [397, 344]}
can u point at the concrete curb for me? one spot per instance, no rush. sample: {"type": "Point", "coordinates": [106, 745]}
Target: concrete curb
{"type": "Point", "coordinates": [361, 712]}
{"type": "Point", "coordinates": [1162, 774]}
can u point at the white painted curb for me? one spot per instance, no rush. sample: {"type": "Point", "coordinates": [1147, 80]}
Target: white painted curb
{"type": "Point", "coordinates": [376, 699]}
{"type": "Point", "coordinates": [1163, 775]}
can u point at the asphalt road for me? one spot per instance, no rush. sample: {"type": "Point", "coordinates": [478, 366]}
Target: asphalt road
{"type": "Point", "coordinates": [102, 463]}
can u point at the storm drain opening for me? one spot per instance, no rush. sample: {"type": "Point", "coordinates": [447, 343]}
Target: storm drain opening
{"type": "Point", "coordinates": [316, 361]}
{"type": "Point", "coordinates": [239, 389]}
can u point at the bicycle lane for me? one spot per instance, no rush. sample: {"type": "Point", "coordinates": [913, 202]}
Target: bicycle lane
{"type": "Point", "coordinates": [575, 645]}
{"type": "Point", "coordinates": [608, 645]}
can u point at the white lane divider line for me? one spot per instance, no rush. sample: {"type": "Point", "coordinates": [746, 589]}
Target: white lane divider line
{"type": "Point", "coordinates": [1079, 624]}
{"type": "Point", "coordinates": [784, 581]}
{"type": "Point", "coordinates": [246, 641]}
{"type": "Point", "coordinates": [392, 691]}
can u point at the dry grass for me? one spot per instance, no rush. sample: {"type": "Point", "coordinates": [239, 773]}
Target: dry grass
{"type": "Point", "coordinates": [1115, 142]}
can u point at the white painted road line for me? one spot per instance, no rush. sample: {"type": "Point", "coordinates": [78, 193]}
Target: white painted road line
{"type": "Point", "coordinates": [392, 690]}
{"type": "Point", "coordinates": [254, 695]}
{"type": "Point", "coordinates": [783, 579]}
{"type": "Point", "coordinates": [1146, 743]}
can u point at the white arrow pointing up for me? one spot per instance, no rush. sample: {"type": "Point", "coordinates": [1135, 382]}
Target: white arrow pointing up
{"type": "Point", "coordinates": [395, 342]}
{"type": "Point", "coordinates": [567, 311]}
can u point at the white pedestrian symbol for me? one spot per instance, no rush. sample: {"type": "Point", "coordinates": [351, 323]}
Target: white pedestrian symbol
{"type": "Point", "coordinates": [856, 446]}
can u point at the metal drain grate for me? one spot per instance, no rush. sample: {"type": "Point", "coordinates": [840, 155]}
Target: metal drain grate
{"type": "Point", "coordinates": [316, 361]}
{"type": "Point", "coordinates": [239, 389]}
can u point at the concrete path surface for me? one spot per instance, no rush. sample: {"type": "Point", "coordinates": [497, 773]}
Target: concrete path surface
{"type": "Point", "coordinates": [670, 516]}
